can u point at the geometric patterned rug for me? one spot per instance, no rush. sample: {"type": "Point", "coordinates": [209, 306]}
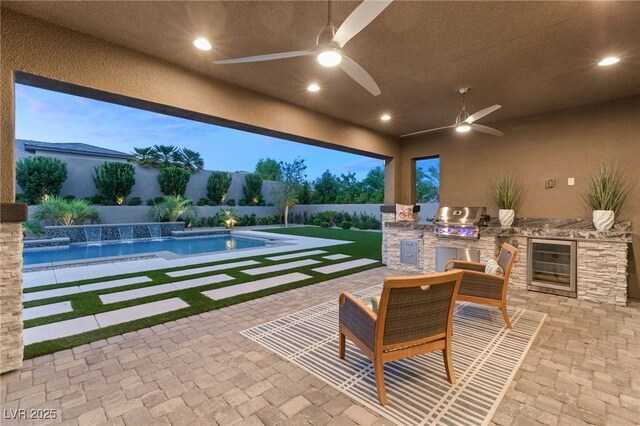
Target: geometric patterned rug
{"type": "Point", "coordinates": [486, 356]}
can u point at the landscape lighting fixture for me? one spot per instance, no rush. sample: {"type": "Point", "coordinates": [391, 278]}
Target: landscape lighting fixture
{"type": "Point", "coordinates": [385, 117]}
{"type": "Point", "coordinates": [202, 43]}
{"type": "Point", "coordinates": [313, 87]}
{"type": "Point", "coordinates": [330, 57]}
{"type": "Point", "coordinates": [610, 60]}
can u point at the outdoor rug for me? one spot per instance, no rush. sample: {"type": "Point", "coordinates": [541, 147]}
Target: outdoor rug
{"type": "Point", "coordinates": [486, 356]}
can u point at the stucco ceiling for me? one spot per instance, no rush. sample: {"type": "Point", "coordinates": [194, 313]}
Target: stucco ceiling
{"type": "Point", "coordinates": [530, 57]}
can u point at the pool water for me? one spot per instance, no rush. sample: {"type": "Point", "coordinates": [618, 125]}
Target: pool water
{"type": "Point", "coordinates": [125, 248]}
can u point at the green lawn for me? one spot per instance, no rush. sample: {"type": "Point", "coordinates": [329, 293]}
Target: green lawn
{"type": "Point", "coordinates": [366, 244]}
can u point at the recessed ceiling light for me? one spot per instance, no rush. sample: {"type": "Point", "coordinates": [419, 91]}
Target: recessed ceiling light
{"type": "Point", "coordinates": [610, 60]}
{"type": "Point", "coordinates": [463, 128]}
{"type": "Point", "coordinates": [330, 57]}
{"type": "Point", "coordinates": [313, 87]}
{"type": "Point", "coordinates": [202, 43]}
{"type": "Point", "coordinates": [385, 117]}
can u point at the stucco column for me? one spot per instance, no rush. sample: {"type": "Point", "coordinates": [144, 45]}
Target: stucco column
{"type": "Point", "coordinates": [11, 343]}
{"type": "Point", "coordinates": [391, 181]}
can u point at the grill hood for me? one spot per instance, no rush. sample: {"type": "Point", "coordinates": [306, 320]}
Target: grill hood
{"type": "Point", "coordinates": [471, 216]}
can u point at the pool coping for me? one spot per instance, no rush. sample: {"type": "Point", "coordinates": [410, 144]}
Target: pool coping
{"type": "Point", "coordinates": [167, 255]}
{"type": "Point", "coordinates": [282, 244]}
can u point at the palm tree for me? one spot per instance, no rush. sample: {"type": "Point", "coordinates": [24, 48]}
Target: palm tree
{"type": "Point", "coordinates": [172, 208]}
{"type": "Point", "coordinates": [165, 154]}
{"type": "Point", "coordinates": [145, 157]}
{"type": "Point", "coordinates": [191, 160]}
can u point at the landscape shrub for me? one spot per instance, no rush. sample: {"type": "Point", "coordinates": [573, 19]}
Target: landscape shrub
{"type": "Point", "coordinates": [262, 203]}
{"type": "Point", "coordinates": [32, 227]}
{"type": "Point", "coordinates": [135, 201]}
{"type": "Point", "coordinates": [69, 197]}
{"type": "Point", "coordinates": [96, 199]}
{"type": "Point", "coordinates": [158, 200]}
{"type": "Point", "coordinates": [62, 212]}
{"type": "Point", "coordinates": [345, 225]}
{"type": "Point", "coordinates": [20, 198]}
{"type": "Point", "coordinates": [252, 189]}
{"type": "Point", "coordinates": [231, 202]}
{"type": "Point", "coordinates": [202, 202]}
{"type": "Point", "coordinates": [173, 180]}
{"type": "Point", "coordinates": [242, 202]}
{"type": "Point", "coordinates": [218, 186]}
{"type": "Point", "coordinates": [172, 209]}
{"type": "Point", "coordinates": [40, 177]}
{"type": "Point", "coordinates": [324, 224]}
{"type": "Point", "coordinates": [317, 222]}
{"type": "Point", "coordinates": [114, 181]}
{"type": "Point", "coordinates": [212, 203]}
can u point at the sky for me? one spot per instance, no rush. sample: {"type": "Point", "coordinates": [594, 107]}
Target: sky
{"type": "Point", "coordinates": [47, 116]}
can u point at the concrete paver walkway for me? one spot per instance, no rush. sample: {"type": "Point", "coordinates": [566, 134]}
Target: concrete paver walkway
{"type": "Point", "coordinates": [581, 369]}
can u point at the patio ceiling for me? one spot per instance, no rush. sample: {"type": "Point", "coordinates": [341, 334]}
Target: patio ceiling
{"type": "Point", "coordinates": [529, 57]}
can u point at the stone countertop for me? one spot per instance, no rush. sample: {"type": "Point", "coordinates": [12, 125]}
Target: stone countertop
{"type": "Point", "coordinates": [567, 229]}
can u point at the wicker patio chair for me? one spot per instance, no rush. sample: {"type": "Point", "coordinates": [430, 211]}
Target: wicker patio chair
{"type": "Point", "coordinates": [487, 289]}
{"type": "Point", "coordinates": [414, 317]}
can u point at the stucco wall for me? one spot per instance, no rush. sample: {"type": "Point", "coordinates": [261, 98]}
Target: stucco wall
{"type": "Point", "coordinates": [35, 47]}
{"type": "Point", "coordinates": [560, 145]}
{"type": "Point", "coordinates": [80, 172]}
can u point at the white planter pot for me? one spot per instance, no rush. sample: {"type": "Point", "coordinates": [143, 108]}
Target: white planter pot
{"type": "Point", "coordinates": [506, 217]}
{"type": "Point", "coordinates": [603, 219]}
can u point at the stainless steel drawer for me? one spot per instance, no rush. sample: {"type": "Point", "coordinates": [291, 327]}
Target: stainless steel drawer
{"type": "Point", "coordinates": [409, 252]}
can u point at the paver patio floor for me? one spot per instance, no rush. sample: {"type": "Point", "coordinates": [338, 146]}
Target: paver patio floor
{"type": "Point", "coordinates": [582, 368]}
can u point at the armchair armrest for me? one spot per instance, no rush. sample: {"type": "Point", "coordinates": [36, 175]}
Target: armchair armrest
{"type": "Point", "coordinates": [358, 318]}
{"type": "Point", "coordinates": [465, 266]}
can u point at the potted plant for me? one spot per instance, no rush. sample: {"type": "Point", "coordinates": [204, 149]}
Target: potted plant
{"type": "Point", "coordinates": [507, 194]}
{"type": "Point", "coordinates": [605, 193]}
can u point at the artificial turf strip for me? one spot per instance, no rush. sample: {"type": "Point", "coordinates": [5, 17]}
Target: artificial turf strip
{"type": "Point", "coordinates": [88, 303]}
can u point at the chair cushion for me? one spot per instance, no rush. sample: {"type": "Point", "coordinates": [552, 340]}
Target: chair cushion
{"type": "Point", "coordinates": [375, 303]}
{"type": "Point", "coordinates": [493, 268]}
{"type": "Point", "coordinates": [404, 213]}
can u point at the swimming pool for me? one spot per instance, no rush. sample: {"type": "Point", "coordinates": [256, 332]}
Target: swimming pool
{"type": "Point", "coordinates": [182, 246]}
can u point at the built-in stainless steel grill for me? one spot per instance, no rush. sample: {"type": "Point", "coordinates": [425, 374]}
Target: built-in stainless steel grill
{"type": "Point", "coordinates": [460, 222]}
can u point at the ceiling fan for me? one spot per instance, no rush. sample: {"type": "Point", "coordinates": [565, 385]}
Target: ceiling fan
{"type": "Point", "coordinates": [465, 122]}
{"type": "Point", "coordinates": [330, 43]}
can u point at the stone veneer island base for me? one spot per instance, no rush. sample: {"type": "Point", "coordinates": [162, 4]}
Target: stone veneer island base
{"type": "Point", "coordinates": [601, 270]}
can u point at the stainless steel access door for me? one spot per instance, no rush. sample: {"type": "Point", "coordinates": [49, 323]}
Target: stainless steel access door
{"type": "Point", "coordinates": [445, 254]}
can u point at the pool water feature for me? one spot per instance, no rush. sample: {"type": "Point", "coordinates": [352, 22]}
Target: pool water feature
{"type": "Point", "coordinates": [180, 246]}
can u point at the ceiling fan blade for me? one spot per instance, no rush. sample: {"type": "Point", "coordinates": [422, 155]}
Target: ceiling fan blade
{"type": "Point", "coordinates": [359, 74]}
{"type": "Point", "coordinates": [483, 112]}
{"type": "Point", "coordinates": [362, 16]}
{"type": "Point", "coordinates": [269, 57]}
{"type": "Point", "coordinates": [485, 129]}
{"type": "Point", "coordinates": [427, 131]}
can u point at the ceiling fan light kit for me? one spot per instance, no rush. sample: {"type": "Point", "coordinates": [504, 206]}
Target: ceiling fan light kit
{"type": "Point", "coordinates": [329, 57]}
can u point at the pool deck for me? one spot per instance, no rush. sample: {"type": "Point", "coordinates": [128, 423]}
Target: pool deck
{"type": "Point", "coordinates": [281, 244]}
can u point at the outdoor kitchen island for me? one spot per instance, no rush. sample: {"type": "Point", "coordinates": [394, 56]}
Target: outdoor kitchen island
{"type": "Point", "coordinates": [595, 269]}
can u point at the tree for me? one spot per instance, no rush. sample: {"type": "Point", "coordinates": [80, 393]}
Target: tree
{"type": "Point", "coordinates": [305, 193]}
{"type": "Point", "coordinates": [372, 188]}
{"type": "Point", "coordinates": [114, 181]}
{"type": "Point", "coordinates": [173, 180]}
{"type": "Point", "coordinates": [218, 186]}
{"type": "Point", "coordinates": [172, 208]}
{"type": "Point", "coordinates": [145, 157]}
{"type": "Point", "coordinates": [165, 155]}
{"type": "Point", "coordinates": [427, 185]}
{"type": "Point", "coordinates": [326, 189]}
{"type": "Point", "coordinates": [268, 169]}
{"type": "Point", "coordinates": [349, 188]}
{"type": "Point", "coordinates": [252, 188]}
{"type": "Point", "coordinates": [190, 160]}
{"type": "Point", "coordinates": [286, 194]}
{"type": "Point", "coordinates": [40, 177]}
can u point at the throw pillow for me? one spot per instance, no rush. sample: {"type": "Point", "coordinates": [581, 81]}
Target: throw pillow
{"type": "Point", "coordinates": [493, 268]}
{"type": "Point", "coordinates": [375, 303]}
{"type": "Point", "coordinates": [404, 213]}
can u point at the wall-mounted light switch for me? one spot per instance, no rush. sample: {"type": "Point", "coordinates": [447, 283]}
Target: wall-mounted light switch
{"type": "Point", "coordinates": [571, 181]}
